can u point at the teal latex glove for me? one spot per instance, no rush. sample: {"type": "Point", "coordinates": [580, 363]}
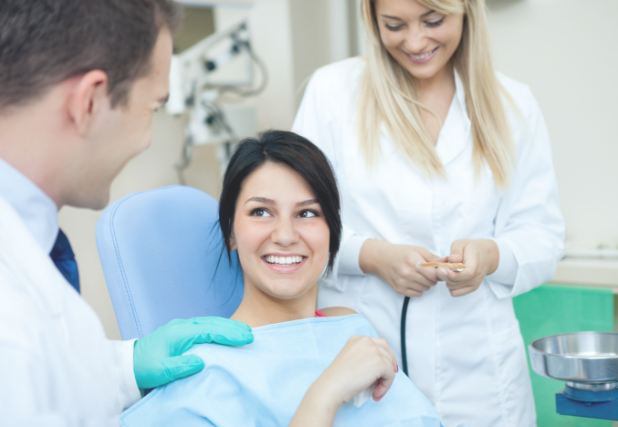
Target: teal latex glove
{"type": "Point", "coordinates": [158, 358]}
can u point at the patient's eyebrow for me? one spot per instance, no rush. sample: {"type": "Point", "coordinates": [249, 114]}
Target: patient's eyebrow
{"type": "Point", "coordinates": [258, 199]}
{"type": "Point", "coordinates": [308, 202]}
{"type": "Point", "coordinates": [267, 201]}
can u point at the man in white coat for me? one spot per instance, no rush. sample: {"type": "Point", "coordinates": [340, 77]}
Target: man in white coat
{"type": "Point", "coordinates": [80, 82]}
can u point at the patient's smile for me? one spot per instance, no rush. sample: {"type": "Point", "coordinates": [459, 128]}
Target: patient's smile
{"type": "Point", "coordinates": [283, 260]}
{"type": "Point", "coordinates": [281, 264]}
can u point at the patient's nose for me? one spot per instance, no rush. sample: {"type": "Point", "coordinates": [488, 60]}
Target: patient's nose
{"type": "Point", "coordinates": [285, 232]}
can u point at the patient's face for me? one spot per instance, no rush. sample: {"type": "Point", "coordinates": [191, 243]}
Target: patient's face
{"type": "Point", "coordinates": [280, 233]}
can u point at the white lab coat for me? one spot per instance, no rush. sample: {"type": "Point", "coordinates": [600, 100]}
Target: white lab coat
{"type": "Point", "coordinates": [466, 354]}
{"type": "Point", "coordinates": [57, 368]}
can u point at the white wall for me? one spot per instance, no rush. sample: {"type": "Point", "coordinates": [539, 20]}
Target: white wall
{"type": "Point", "coordinates": [567, 51]}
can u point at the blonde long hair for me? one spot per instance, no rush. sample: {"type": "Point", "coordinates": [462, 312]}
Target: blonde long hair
{"type": "Point", "coordinates": [388, 97]}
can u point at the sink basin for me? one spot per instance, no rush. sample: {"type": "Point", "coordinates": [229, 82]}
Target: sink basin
{"type": "Point", "coordinates": [582, 358]}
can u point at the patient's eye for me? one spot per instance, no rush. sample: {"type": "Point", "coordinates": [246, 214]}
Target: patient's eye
{"type": "Point", "coordinates": [309, 213]}
{"type": "Point", "coordinates": [260, 212]}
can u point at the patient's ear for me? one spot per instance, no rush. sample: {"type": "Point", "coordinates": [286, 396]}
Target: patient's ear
{"type": "Point", "coordinates": [232, 242]}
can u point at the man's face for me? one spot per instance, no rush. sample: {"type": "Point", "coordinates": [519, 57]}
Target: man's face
{"type": "Point", "coordinates": [122, 132]}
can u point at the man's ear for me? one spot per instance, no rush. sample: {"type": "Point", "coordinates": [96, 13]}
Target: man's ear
{"type": "Point", "coordinates": [88, 98]}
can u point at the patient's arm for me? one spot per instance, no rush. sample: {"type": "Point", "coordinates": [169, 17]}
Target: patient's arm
{"type": "Point", "coordinates": [363, 362]}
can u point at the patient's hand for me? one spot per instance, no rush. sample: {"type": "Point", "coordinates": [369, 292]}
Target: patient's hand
{"type": "Point", "coordinates": [362, 363]}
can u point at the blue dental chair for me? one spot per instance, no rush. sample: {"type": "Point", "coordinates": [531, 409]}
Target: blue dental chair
{"type": "Point", "coordinates": [163, 258]}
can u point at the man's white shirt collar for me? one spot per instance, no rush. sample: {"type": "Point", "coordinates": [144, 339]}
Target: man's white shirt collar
{"type": "Point", "coordinates": [38, 212]}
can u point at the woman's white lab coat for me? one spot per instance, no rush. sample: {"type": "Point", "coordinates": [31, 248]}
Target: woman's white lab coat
{"type": "Point", "coordinates": [57, 368]}
{"type": "Point", "coordinates": [466, 353]}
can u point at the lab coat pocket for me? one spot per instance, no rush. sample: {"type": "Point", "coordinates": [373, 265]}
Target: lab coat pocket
{"type": "Point", "coordinates": [513, 387]}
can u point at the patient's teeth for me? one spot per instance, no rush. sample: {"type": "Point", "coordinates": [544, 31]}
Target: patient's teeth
{"type": "Point", "coordinates": [287, 260]}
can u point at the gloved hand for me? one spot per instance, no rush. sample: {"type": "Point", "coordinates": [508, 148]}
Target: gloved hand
{"type": "Point", "coordinates": [158, 359]}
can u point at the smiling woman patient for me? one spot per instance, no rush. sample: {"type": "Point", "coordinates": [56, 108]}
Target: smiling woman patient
{"type": "Point", "coordinates": [279, 209]}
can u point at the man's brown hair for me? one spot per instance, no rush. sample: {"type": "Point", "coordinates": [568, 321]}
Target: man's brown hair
{"type": "Point", "coordinates": [44, 42]}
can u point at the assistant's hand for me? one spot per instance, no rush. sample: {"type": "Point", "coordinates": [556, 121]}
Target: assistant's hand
{"type": "Point", "coordinates": [398, 265]}
{"type": "Point", "coordinates": [158, 358]}
{"type": "Point", "coordinates": [363, 362]}
{"type": "Point", "coordinates": [481, 257]}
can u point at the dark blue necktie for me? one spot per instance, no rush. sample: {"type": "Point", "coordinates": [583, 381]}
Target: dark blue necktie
{"type": "Point", "coordinates": [62, 255]}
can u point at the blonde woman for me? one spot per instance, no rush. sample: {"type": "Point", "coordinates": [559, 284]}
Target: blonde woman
{"type": "Point", "coordinates": [439, 159]}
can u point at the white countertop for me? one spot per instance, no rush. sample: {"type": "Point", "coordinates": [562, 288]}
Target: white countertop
{"type": "Point", "coordinates": [594, 272]}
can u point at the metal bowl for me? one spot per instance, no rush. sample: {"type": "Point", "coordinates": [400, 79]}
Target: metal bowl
{"type": "Point", "coordinates": [583, 358]}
